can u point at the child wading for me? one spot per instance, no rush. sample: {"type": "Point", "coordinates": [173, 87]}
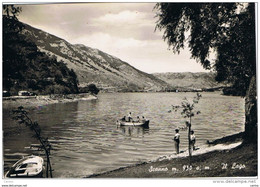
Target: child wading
{"type": "Point", "coordinates": [192, 140]}
{"type": "Point", "coordinates": [177, 140]}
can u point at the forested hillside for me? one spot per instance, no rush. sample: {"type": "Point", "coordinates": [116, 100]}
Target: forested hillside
{"type": "Point", "coordinates": [27, 68]}
{"type": "Point", "coordinates": [93, 66]}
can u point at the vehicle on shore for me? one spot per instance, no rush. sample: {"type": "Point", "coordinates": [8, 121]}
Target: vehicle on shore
{"type": "Point", "coordinates": [27, 167]}
{"type": "Point", "coordinates": [6, 93]}
{"type": "Point", "coordinates": [26, 93]}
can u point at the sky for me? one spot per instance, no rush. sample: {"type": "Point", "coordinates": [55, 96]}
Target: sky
{"type": "Point", "coordinates": [124, 30]}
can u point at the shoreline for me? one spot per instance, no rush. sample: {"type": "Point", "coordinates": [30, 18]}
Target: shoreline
{"type": "Point", "coordinates": [43, 100]}
{"type": "Point", "coordinates": [224, 157]}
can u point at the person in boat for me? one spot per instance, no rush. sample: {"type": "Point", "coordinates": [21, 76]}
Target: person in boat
{"type": "Point", "coordinates": [124, 118]}
{"type": "Point", "coordinates": [192, 139]}
{"type": "Point", "coordinates": [130, 117]}
{"type": "Point", "coordinates": [177, 140]}
{"type": "Point", "coordinates": [138, 119]}
{"type": "Point", "coordinates": [143, 119]}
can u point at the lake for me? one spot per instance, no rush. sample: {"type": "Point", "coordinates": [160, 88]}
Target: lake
{"type": "Point", "coordinates": [87, 140]}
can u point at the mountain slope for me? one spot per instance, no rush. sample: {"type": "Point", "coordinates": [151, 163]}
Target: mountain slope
{"type": "Point", "coordinates": [94, 66]}
{"type": "Point", "coordinates": [190, 81]}
{"type": "Point", "coordinates": [26, 68]}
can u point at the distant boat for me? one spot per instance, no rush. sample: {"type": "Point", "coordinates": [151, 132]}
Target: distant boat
{"type": "Point", "coordinates": [31, 166]}
{"type": "Point", "coordinates": [133, 123]}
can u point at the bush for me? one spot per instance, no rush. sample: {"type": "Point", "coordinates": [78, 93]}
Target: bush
{"type": "Point", "coordinates": [91, 88]}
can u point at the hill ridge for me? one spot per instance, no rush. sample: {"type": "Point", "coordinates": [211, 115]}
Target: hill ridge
{"type": "Point", "coordinates": [190, 80]}
{"type": "Point", "coordinates": [95, 66]}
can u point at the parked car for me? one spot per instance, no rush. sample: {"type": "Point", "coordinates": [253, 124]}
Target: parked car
{"type": "Point", "coordinates": [23, 93]}
{"type": "Point", "coordinates": [26, 93]}
{"type": "Point", "coordinates": [6, 93]}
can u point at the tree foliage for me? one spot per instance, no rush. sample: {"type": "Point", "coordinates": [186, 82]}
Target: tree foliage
{"type": "Point", "coordinates": [11, 11]}
{"type": "Point", "coordinates": [228, 29]}
{"type": "Point", "coordinates": [91, 88]}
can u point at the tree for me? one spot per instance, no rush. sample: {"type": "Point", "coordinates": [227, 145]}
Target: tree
{"type": "Point", "coordinates": [93, 89]}
{"type": "Point", "coordinates": [11, 28]}
{"type": "Point", "coordinates": [11, 11]}
{"type": "Point", "coordinates": [22, 117]}
{"type": "Point", "coordinates": [74, 81]}
{"type": "Point", "coordinates": [228, 29]}
{"type": "Point", "coordinates": [188, 112]}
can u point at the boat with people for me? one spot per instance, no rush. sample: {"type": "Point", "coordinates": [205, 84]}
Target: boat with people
{"type": "Point", "coordinates": [129, 121]}
{"type": "Point", "coordinates": [133, 123]}
{"type": "Point", "coordinates": [30, 166]}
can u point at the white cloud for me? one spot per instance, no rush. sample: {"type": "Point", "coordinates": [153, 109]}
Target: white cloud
{"type": "Point", "coordinates": [106, 42]}
{"type": "Point", "coordinates": [125, 24]}
{"type": "Point", "coordinates": [124, 18]}
{"type": "Point", "coordinates": [149, 55]}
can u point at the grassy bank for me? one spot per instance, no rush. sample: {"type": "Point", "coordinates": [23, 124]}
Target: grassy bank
{"type": "Point", "coordinates": [240, 161]}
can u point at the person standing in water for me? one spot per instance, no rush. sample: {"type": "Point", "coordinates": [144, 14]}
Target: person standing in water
{"type": "Point", "coordinates": [177, 140]}
{"type": "Point", "coordinates": [192, 140]}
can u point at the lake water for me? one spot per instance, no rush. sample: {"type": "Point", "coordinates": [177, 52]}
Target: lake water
{"type": "Point", "coordinates": [86, 139]}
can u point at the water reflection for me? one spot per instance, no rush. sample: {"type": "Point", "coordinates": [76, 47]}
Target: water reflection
{"type": "Point", "coordinates": [133, 131]}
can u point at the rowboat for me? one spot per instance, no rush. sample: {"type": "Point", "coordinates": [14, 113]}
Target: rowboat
{"type": "Point", "coordinates": [30, 166]}
{"type": "Point", "coordinates": [133, 123]}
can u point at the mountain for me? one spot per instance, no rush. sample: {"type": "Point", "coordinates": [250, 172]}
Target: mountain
{"type": "Point", "coordinates": [94, 66]}
{"type": "Point", "coordinates": [26, 68]}
{"type": "Point", "coordinates": [190, 81]}
{"type": "Point", "coordinates": [49, 64]}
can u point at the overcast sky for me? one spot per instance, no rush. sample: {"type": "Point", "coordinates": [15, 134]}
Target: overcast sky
{"type": "Point", "coordinates": [124, 30]}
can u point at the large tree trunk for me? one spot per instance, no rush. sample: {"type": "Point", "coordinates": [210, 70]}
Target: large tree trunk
{"type": "Point", "coordinates": [250, 135]}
